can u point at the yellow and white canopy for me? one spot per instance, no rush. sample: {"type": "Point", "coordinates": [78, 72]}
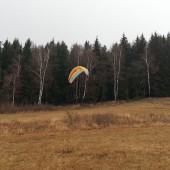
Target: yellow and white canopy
{"type": "Point", "coordinates": [76, 71]}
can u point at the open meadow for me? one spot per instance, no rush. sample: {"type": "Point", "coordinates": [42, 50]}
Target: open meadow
{"type": "Point", "coordinates": [121, 135]}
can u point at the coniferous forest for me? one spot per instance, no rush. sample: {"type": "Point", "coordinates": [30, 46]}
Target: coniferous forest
{"type": "Point", "coordinates": [31, 74]}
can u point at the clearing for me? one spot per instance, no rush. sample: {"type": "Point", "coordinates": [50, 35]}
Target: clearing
{"type": "Point", "coordinates": [121, 135]}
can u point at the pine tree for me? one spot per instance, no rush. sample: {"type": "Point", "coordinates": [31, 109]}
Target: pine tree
{"type": "Point", "coordinates": [159, 51]}
{"type": "Point", "coordinates": [28, 88]}
{"type": "Point", "coordinates": [17, 48]}
{"type": "Point", "coordinates": [6, 58]}
{"type": "Point", "coordinates": [100, 73]}
{"type": "Point", "coordinates": [138, 74]}
{"type": "Point", "coordinates": [95, 84]}
{"type": "Point", "coordinates": [57, 90]}
{"type": "Point", "coordinates": [87, 45]}
{"type": "Point", "coordinates": [125, 69]}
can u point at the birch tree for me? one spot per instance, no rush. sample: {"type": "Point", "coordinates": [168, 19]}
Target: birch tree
{"type": "Point", "coordinates": [16, 74]}
{"type": "Point", "coordinates": [76, 55]}
{"type": "Point", "coordinates": [148, 69]}
{"type": "Point", "coordinates": [89, 62]}
{"type": "Point", "coordinates": [11, 80]}
{"type": "Point", "coordinates": [41, 56]}
{"type": "Point", "coordinates": [151, 66]}
{"type": "Point", "coordinates": [115, 59]}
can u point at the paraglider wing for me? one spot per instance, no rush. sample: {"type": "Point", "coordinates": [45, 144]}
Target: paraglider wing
{"type": "Point", "coordinates": [76, 71]}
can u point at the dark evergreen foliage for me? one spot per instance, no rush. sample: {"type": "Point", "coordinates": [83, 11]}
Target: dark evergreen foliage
{"type": "Point", "coordinates": [28, 85]}
{"type": "Point", "coordinates": [56, 92]}
{"type": "Point", "coordinates": [133, 78]}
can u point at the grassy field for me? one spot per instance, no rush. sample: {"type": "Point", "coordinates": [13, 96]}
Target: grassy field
{"type": "Point", "coordinates": [122, 135]}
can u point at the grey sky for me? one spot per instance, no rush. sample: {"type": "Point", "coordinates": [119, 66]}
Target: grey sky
{"type": "Point", "coordinates": [75, 21]}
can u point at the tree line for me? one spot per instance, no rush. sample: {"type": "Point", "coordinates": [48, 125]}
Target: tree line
{"type": "Point", "coordinates": [32, 74]}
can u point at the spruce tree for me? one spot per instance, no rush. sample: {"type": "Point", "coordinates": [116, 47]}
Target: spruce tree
{"type": "Point", "coordinates": [17, 48]}
{"type": "Point", "coordinates": [95, 84]}
{"type": "Point", "coordinates": [28, 88]}
{"type": "Point", "coordinates": [6, 60]}
{"type": "Point", "coordinates": [159, 52]}
{"type": "Point", "coordinates": [57, 90]}
{"type": "Point", "coordinates": [6, 56]}
{"type": "Point", "coordinates": [138, 74]}
{"type": "Point", "coordinates": [100, 73]}
{"type": "Point", "coordinates": [125, 68]}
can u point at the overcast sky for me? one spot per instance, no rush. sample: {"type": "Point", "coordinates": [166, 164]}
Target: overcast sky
{"type": "Point", "coordinates": [75, 21]}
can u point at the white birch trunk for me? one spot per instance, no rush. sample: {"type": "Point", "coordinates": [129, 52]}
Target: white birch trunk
{"type": "Point", "coordinates": [116, 65]}
{"type": "Point", "coordinates": [85, 88]}
{"type": "Point", "coordinates": [115, 78]}
{"type": "Point", "coordinates": [18, 64]}
{"type": "Point", "coordinates": [13, 92]}
{"type": "Point", "coordinates": [118, 71]}
{"type": "Point", "coordinates": [77, 82]}
{"type": "Point", "coordinates": [89, 67]}
{"type": "Point", "coordinates": [41, 59]}
{"type": "Point", "coordinates": [148, 71]}
{"type": "Point", "coordinates": [40, 93]}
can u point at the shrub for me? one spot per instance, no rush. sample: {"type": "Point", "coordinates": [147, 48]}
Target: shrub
{"type": "Point", "coordinates": [71, 119]}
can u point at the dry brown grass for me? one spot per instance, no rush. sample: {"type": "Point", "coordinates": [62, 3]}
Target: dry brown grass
{"type": "Point", "coordinates": [8, 108]}
{"type": "Point", "coordinates": [123, 135]}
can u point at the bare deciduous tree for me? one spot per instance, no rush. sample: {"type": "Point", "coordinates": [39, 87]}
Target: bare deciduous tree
{"type": "Point", "coordinates": [148, 63]}
{"type": "Point", "coordinates": [89, 57]}
{"type": "Point", "coordinates": [41, 57]}
{"type": "Point", "coordinates": [115, 59]}
{"type": "Point", "coordinates": [151, 67]}
{"type": "Point", "coordinates": [76, 54]}
{"type": "Point", "coordinates": [11, 80]}
{"type": "Point", "coordinates": [84, 57]}
{"type": "Point", "coordinates": [16, 74]}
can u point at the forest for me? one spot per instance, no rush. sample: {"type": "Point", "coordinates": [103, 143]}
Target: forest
{"type": "Point", "coordinates": [37, 74]}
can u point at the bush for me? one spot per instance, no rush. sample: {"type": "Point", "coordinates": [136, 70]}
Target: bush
{"type": "Point", "coordinates": [71, 119]}
{"type": "Point", "coordinates": [99, 120]}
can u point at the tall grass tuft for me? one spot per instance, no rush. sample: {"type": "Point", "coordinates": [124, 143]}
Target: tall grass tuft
{"type": "Point", "coordinates": [103, 120]}
{"type": "Point", "coordinates": [71, 119]}
{"type": "Point", "coordinates": [20, 128]}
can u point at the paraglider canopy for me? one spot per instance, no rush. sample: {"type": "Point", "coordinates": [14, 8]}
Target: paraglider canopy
{"type": "Point", "coordinates": [76, 71]}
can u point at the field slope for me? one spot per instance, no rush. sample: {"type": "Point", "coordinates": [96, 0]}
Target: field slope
{"type": "Point", "coordinates": [122, 135]}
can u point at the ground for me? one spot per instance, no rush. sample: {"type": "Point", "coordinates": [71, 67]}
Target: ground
{"type": "Point", "coordinates": [138, 139]}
